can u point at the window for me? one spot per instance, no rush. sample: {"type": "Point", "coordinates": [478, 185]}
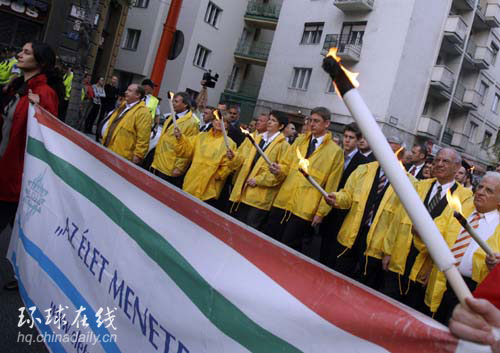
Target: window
{"type": "Point", "coordinates": [494, 107]}
{"type": "Point", "coordinates": [300, 78]}
{"type": "Point", "coordinates": [352, 33]}
{"type": "Point", "coordinates": [213, 14]}
{"type": "Point", "coordinates": [141, 3]}
{"type": "Point", "coordinates": [483, 91]}
{"type": "Point", "coordinates": [472, 131]}
{"type": "Point", "coordinates": [486, 140]}
{"type": "Point", "coordinates": [233, 77]}
{"type": "Point", "coordinates": [132, 39]}
{"type": "Point", "coordinates": [494, 49]}
{"type": "Point", "coordinates": [201, 56]}
{"type": "Point", "coordinates": [312, 33]}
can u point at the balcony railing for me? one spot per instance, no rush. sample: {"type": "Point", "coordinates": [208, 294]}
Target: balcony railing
{"type": "Point", "coordinates": [492, 13]}
{"type": "Point", "coordinates": [459, 92]}
{"type": "Point", "coordinates": [349, 47]}
{"type": "Point", "coordinates": [354, 5]}
{"type": "Point", "coordinates": [459, 140]}
{"type": "Point", "coordinates": [455, 29]}
{"type": "Point", "coordinates": [253, 50]}
{"type": "Point", "coordinates": [442, 77]}
{"type": "Point", "coordinates": [259, 9]}
{"type": "Point", "coordinates": [429, 127]}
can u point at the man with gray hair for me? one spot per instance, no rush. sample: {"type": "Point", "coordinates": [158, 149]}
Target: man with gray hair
{"type": "Point", "coordinates": [407, 260]}
{"type": "Point", "coordinates": [472, 261]}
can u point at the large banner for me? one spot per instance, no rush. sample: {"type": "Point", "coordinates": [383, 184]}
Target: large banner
{"type": "Point", "coordinates": [112, 259]}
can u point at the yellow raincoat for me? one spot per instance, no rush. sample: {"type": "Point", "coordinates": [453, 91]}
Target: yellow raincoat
{"type": "Point", "coordinates": [210, 165]}
{"type": "Point", "coordinates": [297, 195]}
{"type": "Point", "coordinates": [399, 238]}
{"type": "Point", "coordinates": [131, 136]}
{"type": "Point", "coordinates": [437, 281]}
{"type": "Point", "coordinates": [165, 159]}
{"type": "Point", "coordinates": [262, 195]}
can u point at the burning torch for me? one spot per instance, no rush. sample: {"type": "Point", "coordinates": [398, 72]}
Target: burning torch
{"type": "Point", "coordinates": [345, 84]}
{"type": "Point", "coordinates": [223, 128]}
{"type": "Point", "coordinates": [172, 111]}
{"type": "Point", "coordinates": [303, 168]}
{"type": "Point", "coordinates": [456, 206]}
{"type": "Point", "coordinates": [259, 150]}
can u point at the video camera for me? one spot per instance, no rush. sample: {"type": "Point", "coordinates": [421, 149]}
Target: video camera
{"type": "Point", "coordinates": [209, 79]}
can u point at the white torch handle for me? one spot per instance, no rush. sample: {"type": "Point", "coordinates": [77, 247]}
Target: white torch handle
{"type": "Point", "coordinates": [317, 186]}
{"type": "Point", "coordinates": [224, 134]}
{"type": "Point", "coordinates": [172, 113]}
{"type": "Point", "coordinates": [480, 241]}
{"type": "Point", "coordinates": [261, 152]}
{"type": "Point", "coordinates": [423, 222]}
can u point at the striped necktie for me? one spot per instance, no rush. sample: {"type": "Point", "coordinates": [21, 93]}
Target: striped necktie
{"type": "Point", "coordinates": [435, 200]}
{"type": "Point", "coordinates": [463, 240]}
{"type": "Point", "coordinates": [380, 188]}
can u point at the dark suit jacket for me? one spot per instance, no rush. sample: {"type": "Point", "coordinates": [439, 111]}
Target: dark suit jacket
{"type": "Point", "coordinates": [420, 174]}
{"type": "Point", "coordinates": [370, 158]}
{"type": "Point", "coordinates": [235, 134]}
{"type": "Point", "coordinates": [356, 160]}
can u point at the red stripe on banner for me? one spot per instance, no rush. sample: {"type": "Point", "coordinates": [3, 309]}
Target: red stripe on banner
{"type": "Point", "coordinates": [335, 299]}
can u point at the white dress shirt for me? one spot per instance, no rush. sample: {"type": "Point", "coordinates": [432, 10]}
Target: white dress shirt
{"type": "Point", "coordinates": [485, 230]}
{"type": "Point", "coordinates": [444, 189]}
{"type": "Point", "coordinates": [347, 159]}
{"type": "Point", "coordinates": [319, 141]}
{"type": "Point", "coordinates": [417, 169]}
{"type": "Point", "coordinates": [269, 140]}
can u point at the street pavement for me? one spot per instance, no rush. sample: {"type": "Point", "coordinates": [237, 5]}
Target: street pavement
{"type": "Point", "coordinates": [10, 302]}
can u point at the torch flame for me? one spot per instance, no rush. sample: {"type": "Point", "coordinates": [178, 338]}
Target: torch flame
{"type": "Point", "coordinates": [454, 202]}
{"type": "Point", "coordinates": [472, 169]}
{"type": "Point", "coordinates": [303, 163]}
{"type": "Point", "coordinates": [170, 95]}
{"type": "Point", "coordinates": [245, 132]}
{"type": "Point", "coordinates": [352, 76]}
{"type": "Point", "coordinates": [216, 114]}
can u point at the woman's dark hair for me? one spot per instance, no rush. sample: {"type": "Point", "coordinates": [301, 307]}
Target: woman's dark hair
{"type": "Point", "coordinates": [46, 58]}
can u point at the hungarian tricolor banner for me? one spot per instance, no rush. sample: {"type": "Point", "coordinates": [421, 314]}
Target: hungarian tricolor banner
{"type": "Point", "coordinates": [112, 259]}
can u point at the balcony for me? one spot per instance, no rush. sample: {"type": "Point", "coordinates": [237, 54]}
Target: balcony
{"type": "Point", "coordinates": [442, 79]}
{"type": "Point", "coordinates": [245, 89]}
{"type": "Point", "coordinates": [354, 5]}
{"type": "Point", "coordinates": [349, 47]}
{"type": "Point", "coordinates": [465, 5]}
{"type": "Point", "coordinates": [483, 56]}
{"type": "Point", "coordinates": [428, 127]}
{"type": "Point", "coordinates": [455, 29]}
{"type": "Point", "coordinates": [459, 140]}
{"type": "Point", "coordinates": [447, 136]}
{"type": "Point", "coordinates": [252, 52]}
{"type": "Point", "coordinates": [471, 99]}
{"type": "Point", "coordinates": [492, 13]}
{"type": "Point", "coordinates": [262, 15]}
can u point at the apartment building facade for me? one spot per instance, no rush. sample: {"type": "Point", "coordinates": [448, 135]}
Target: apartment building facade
{"type": "Point", "coordinates": [428, 69]}
{"type": "Point", "coordinates": [210, 31]}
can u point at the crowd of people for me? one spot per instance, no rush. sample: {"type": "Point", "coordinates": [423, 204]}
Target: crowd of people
{"type": "Point", "coordinates": [365, 231]}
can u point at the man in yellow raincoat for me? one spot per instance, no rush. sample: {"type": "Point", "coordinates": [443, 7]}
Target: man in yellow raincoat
{"type": "Point", "coordinates": [406, 259]}
{"type": "Point", "coordinates": [129, 127]}
{"type": "Point", "coordinates": [166, 163]}
{"type": "Point", "coordinates": [299, 205]}
{"type": "Point", "coordinates": [472, 261]}
{"type": "Point", "coordinates": [256, 187]}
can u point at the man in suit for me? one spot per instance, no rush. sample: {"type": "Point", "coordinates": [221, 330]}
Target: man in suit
{"type": "Point", "coordinates": [208, 117]}
{"type": "Point", "coordinates": [407, 259]}
{"type": "Point", "coordinates": [233, 130]}
{"type": "Point", "coordinates": [365, 149]}
{"type": "Point", "coordinates": [419, 155]}
{"type": "Point", "coordinates": [332, 223]}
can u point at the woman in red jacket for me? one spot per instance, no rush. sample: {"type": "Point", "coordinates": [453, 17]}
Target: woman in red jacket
{"type": "Point", "coordinates": [40, 84]}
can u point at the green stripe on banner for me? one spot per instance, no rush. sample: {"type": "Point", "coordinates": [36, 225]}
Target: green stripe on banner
{"type": "Point", "coordinates": [220, 311]}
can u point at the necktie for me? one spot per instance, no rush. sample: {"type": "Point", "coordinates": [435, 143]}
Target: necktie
{"type": "Point", "coordinates": [464, 238]}
{"type": "Point", "coordinates": [380, 189]}
{"type": "Point", "coordinates": [257, 154]}
{"type": "Point", "coordinates": [435, 200]}
{"type": "Point", "coordinates": [413, 170]}
{"type": "Point", "coordinates": [113, 125]}
{"type": "Point", "coordinates": [311, 147]}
